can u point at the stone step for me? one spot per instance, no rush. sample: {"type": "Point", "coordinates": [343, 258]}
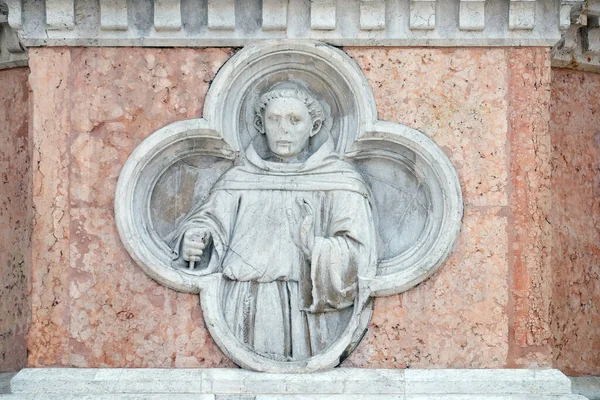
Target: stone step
{"type": "Point", "coordinates": [588, 386]}
{"type": "Point", "coordinates": [5, 378]}
{"type": "Point", "coordinates": [337, 384]}
{"type": "Point", "coordinates": [175, 396]}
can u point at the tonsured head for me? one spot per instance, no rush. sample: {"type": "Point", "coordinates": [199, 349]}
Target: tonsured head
{"type": "Point", "coordinates": [289, 116]}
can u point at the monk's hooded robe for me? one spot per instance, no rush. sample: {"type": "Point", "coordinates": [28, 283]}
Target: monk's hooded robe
{"type": "Point", "coordinates": [277, 301]}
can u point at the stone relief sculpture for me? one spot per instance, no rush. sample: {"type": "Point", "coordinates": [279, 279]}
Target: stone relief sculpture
{"type": "Point", "coordinates": [291, 231]}
{"type": "Point", "coordinates": [288, 207]}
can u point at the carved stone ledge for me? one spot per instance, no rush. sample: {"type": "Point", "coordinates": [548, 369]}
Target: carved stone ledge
{"type": "Point", "coordinates": [341, 383]}
{"type": "Point", "coordinates": [580, 46]}
{"type": "Point", "coordinates": [12, 53]}
{"type": "Point", "coordinates": [349, 23]}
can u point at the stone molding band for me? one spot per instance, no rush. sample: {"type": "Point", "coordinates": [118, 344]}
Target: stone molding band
{"type": "Point", "coordinates": [223, 23]}
{"type": "Point", "coordinates": [569, 25]}
{"type": "Point", "coordinates": [346, 383]}
{"type": "Point", "coordinates": [350, 23]}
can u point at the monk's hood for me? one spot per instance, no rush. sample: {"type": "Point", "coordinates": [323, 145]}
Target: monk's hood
{"type": "Point", "coordinates": [324, 170]}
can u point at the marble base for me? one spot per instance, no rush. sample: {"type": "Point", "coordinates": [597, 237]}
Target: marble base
{"type": "Point", "coordinates": [5, 378]}
{"type": "Point", "coordinates": [588, 386]}
{"type": "Point", "coordinates": [338, 384]}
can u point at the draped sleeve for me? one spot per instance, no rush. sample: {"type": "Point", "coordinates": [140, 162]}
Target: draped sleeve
{"type": "Point", "coordinates": [345, 251]}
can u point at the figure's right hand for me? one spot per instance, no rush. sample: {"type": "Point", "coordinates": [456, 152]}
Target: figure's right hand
{"type": "Point", "coordinates": [194, 242]}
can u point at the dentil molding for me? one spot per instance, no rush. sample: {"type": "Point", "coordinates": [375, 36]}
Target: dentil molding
{"type": "Point", "coordinates": [571, 26]}
{"type": "Point", "coordinates": [237, 23]}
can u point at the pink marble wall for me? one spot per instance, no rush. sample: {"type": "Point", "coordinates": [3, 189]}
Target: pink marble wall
{"type": "Point", "coordinates": [575, 131]}
{"type": "Point", "coordinates": [15, 218]}
{"type": "Point", "coordinates": [92, 306]}
{"type": "Point", "coordinates": [488, 306]}
{"type": "Point", "coordinates": [530, 279]}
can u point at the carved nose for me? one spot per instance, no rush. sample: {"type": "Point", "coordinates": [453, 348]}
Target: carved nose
{"type": "Point", "coordinates": [284, 125]}
{"type": "Point", "coordinates": [285, 129]}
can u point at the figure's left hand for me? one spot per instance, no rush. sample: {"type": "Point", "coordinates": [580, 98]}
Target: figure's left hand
{"type": "Point", "coordinates": [305, 237]}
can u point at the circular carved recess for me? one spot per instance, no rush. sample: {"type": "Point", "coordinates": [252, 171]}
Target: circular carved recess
{"type": "Point", "coordinates": [149, 182]}
{"type": "Point", "coordinates": [418, 203]}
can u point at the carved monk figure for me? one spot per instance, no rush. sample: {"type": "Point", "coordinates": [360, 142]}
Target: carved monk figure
{"type": "Point", "coordinates": [291, 230]}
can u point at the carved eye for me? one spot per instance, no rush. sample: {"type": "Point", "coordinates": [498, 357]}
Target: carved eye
{"type": "Point", "coordinates": [294, 119]}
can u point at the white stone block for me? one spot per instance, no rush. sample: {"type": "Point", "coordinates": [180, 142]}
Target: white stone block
{"type": "Point", "coordinates": [116, 380]}
{"type": "Point", "coordinates": [521, 14]}
{"type": "Point", "coordinates": [331, 397]}
{"type": "Point", "coordinates": [565, 16]}
{"type": "Point", "coordinates": [113, 15]}
{"type": "Point", "coordinates": [456, 381]}
{"type": "Point", "coordinates": [472, 15]}
{"type": "Point", "coordinates": [422, 14]}
{"type": "Point", "coordinates": [593, 42]}
{"type": "Point", "coordinates": [372, 15]}
{"type": "Point", "coordinates": [5, 378]}
{"type": "Point", "coordinates": [60, 14]}
{"type": "Point", "coordinates": [15, 14]}
{"type": "Point", "coordinates": [588, 386]}
{"type": "Point", "coordinates": [335, 381]}
{"type": "Point", "coordinates": [483, 396]}
{"type": "Point", "coordinates": [126, 380]}
{"type": "Point", "coordinates": [337, 384]}
{"type": "Point", "coordinates": [221, 14]}
{"type": "Point", "coordinates": [322, 14]}
{"type": "Point", "coordinates": [112, 396]}
{"type": "Point", "coordinates": [274, 15]}
{"type": "Point", "coordinates": [176, 396]}
{"type": "Point", "coordinates": [167, 15]}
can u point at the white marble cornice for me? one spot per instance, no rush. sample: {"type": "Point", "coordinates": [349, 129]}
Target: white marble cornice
{"type": "Point", "coordinates": [579, 48]}
{"type": "Point", "coordinates": [12, 53]}
{"type": "Point", "coordinates": [198, 23]}
{"type": "Point", "coordinates": [571, 26]}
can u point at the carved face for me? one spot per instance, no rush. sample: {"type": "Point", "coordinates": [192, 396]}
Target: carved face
{"type": "Point", "coordinates": [288, 126]}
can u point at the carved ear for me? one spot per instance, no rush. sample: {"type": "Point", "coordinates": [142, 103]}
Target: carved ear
{"type": "Point", "coordinates": [316, 127]}
{"type": "Point", "coordinates": [258, 124]}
